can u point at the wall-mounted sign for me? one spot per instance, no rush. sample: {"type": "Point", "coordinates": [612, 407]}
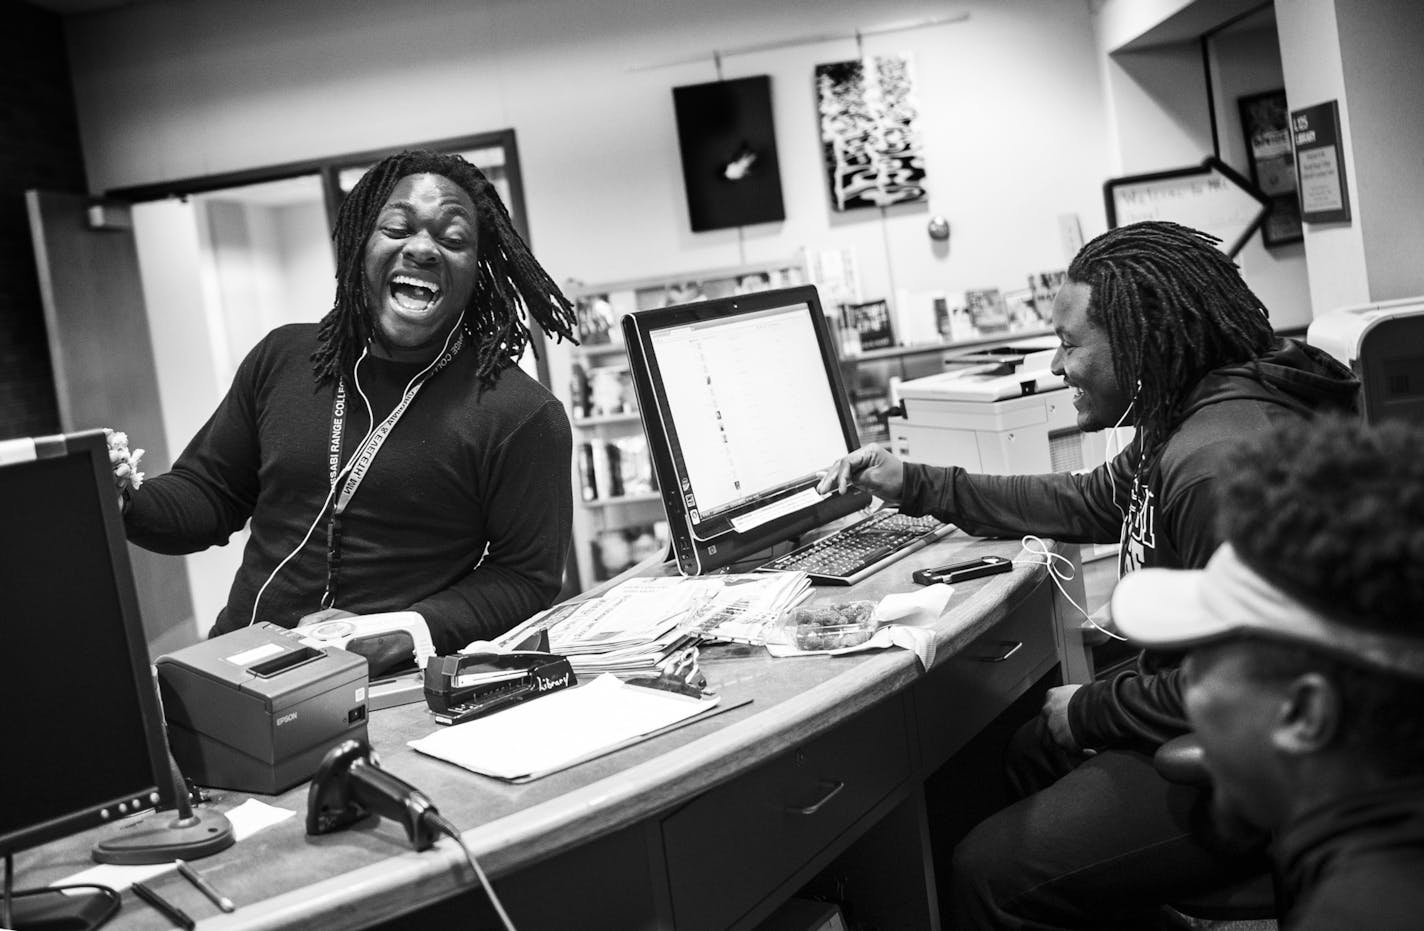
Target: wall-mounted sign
{"type": "Point", "coordinates": [1320, 164]}
{"type": "Point", "coordinates": [1210, 197]}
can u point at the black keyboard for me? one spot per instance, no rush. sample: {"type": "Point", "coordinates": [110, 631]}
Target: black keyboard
{"type": "Point", "coordinates": [855, 551]}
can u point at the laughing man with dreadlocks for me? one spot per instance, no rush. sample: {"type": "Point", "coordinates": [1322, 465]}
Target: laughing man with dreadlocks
{"type": "Point", "coordinates": [394, 457]}
{"type": "Point", "coordinates": [1157, 330]}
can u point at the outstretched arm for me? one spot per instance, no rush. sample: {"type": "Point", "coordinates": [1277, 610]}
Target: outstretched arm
{"type": "Point", "coordinates": [1088, 508]}
{"type": "Point", "coordinates": [210, 491]}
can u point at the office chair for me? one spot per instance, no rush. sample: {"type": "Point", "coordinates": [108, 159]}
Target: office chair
{"type": "Point", "coordinates": [1181, 760]}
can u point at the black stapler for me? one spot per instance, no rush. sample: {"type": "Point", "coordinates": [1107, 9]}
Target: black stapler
{"type": "Point", "coordinates": [466, 685]}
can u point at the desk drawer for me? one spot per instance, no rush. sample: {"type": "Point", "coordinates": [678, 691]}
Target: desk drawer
{"type": "Point", "coordinates": [755, 832]}
{"type": "Point", "coordinates": [966, 692]}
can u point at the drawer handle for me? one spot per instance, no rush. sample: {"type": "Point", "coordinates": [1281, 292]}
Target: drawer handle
{"type": "Point", "coordinates": [835, 788]}
{"type": "Point", "coordinates": [1010, 647]}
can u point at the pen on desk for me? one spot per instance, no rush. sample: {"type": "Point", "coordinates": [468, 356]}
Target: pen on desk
{"type": "Point", "coordinates": [205, 887]}
{"type": "Point", "coordinates": [171, 911]}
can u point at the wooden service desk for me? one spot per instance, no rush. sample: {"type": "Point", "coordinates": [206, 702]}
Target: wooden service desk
{"type": "Point", "coordinates": [819, 779]}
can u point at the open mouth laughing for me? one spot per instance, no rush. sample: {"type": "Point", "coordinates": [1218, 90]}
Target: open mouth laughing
{"type": "Point", "coordinates": [413, 295]}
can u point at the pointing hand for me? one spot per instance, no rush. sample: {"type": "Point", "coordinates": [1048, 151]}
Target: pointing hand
{"type": "Point", "coordinates": [871, 467]}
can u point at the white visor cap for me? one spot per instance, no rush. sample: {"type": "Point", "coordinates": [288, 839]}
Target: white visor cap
{"type": "Point", "coordinates": [1181, 608]}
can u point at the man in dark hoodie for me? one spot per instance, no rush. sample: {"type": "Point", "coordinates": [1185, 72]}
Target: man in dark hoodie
{"type": "Point", "coordinates": [1305, 676]}
{"type": "Point", "coordinates": [1157, 330]}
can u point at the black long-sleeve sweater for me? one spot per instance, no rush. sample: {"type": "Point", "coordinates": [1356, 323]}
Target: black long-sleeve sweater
{"type": "Point", "coordinates": [462, 472]}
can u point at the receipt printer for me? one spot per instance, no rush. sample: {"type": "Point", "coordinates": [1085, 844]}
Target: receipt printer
{"type": "Point", "coordinates": [256, 709]}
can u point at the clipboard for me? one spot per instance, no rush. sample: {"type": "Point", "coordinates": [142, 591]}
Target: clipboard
{"type": "Point", "coordinates": [565, 728]}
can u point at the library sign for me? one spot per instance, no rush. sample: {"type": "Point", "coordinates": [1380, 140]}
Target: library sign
{"type": "Point", "coordinates": [1319, 164]}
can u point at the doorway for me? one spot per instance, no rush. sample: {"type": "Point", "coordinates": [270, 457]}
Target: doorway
{"type": "Point", "coordinates": [219, 271]}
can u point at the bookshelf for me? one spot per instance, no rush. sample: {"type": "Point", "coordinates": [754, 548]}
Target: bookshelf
{"type": "Point", "coordinates": [617, 512]}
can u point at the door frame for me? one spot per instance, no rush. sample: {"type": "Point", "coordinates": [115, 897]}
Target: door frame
{"type": "Point", "coordinates": [329, 170]}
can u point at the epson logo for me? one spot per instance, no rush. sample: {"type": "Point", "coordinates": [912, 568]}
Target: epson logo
{"type": "Point", "coordinates": [286, 718]}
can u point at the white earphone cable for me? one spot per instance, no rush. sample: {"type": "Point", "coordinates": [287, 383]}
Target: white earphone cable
{"type": "Point", "coordinates": [336, 482]}
{"type": "Point", "coordinates": [1060, 570]}
{"type": "Point", "coordinates": [1110, 454]}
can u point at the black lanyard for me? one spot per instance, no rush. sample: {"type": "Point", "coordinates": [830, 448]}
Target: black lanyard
{"type": "Point", "coordinates": [361, 460]}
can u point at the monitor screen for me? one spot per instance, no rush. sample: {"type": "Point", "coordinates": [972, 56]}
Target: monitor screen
{"type": "Point", "coordinates": [743, 404]}
{"type": "Point", "coordinates": [83, 730]}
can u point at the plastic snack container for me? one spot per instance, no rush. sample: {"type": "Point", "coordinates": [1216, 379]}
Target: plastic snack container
{"type": "Point", "coordinates": [834, 626]}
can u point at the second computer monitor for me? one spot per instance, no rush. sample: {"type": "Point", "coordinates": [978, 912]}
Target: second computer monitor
{"type": "Point", "coordinates": [743, 405]}
{"type": "Point", "coordinates": [83, 729]}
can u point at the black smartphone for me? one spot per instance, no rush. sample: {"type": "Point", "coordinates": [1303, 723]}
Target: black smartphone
{"type": "Point", "coordinates": [963, 571]}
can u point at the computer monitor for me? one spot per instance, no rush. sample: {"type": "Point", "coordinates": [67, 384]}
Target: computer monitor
{"type": "Point", "coordinates": [743, 405]}
{"type": "Point", "coordinates": [83, 729]}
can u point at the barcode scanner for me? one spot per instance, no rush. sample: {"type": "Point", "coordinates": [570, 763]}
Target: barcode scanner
{"type": "Point", "coordinates": [348, 786]}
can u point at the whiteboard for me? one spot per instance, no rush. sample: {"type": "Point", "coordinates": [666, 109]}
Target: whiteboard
{"type": "Point", "coordinates": [1210, 197]}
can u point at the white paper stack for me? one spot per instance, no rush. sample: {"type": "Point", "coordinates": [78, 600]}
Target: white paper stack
{"type": "Point", "coordinates": [637, 624]}
{"type": "Point", "coordinates": [628, 631]}
{"type": "Point", "coordinates": [746, 607]}
{"type": "Point", "coordinates": [560, 729]}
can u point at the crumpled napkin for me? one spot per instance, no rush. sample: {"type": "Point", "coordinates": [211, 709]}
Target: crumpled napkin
{"type": "Point", "coordinates": [905, 620]}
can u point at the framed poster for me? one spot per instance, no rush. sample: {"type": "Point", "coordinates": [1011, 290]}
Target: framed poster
{"type": "Point", "coordinates": [1265, 125]}
{"type": "Point", "coordinates": [868, 132]}
{"type": "Point", "coordinates": [1320, 164]}
{"type": "Point", "coordinates": [728, 147]}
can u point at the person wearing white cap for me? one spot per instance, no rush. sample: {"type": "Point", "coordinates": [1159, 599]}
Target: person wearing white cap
{"type": "Point", "coordinates": [1305, 667]}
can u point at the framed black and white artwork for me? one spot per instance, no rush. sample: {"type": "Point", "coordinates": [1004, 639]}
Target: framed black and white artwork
{"type": "Point", "coordinates": [873, 152]}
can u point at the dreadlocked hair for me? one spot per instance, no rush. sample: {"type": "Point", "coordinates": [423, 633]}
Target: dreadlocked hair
{"type": "Point", "coordinates": [1174, 307]}
{"type": "Point", "coordinates": [509, 285]}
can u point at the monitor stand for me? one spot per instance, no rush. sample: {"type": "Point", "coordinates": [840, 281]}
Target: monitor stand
{"type": "Point", "coordinates": [763, 556]}
{"type": "Point", "coordinates": [168, 834]}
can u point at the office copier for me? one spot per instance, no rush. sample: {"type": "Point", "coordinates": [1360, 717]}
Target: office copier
{"type": "Point", "coordinates": [999, 411]}
{"type": "Point", "coordinates": [1383, 344]}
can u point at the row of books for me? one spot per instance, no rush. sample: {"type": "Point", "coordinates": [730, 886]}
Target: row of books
{"type": "Point", "coordinates": [601, 390]}
{"type": "Point", "coordinates": [916, 318]}
{"type": "Point", "coordinates": [597, 315]}
{"type": "Point", "coordinates": [615, 467]}
{"type": "Point", "coordinates": [597, 319]}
